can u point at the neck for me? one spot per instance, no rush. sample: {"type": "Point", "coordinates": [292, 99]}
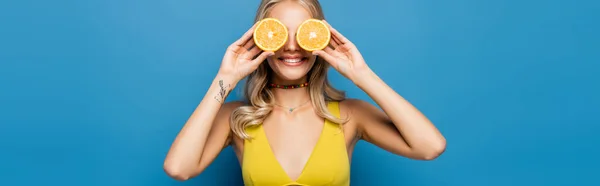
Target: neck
{"type": "Point", "coordinates": [290, 97]}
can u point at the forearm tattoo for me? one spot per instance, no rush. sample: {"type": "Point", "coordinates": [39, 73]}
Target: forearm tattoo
{"type": "Point", "coordinates": [222, 92]}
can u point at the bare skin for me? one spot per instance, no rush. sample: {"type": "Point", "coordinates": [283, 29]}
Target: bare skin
{"type": "Point", "coordinates": [398, 127]}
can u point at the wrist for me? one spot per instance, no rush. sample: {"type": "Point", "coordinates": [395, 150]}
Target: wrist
{"type": "Point", "coordinates": [227, 79]}
{"type": "Point", "coordinates": [365, 78]}
{"type": "Point", "coordinates": [221, 87]}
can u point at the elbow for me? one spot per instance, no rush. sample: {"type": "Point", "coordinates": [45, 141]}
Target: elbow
{"type": "Point", "coordinates": [434, 151]}
{"type": "Point", "coordinates": [176, 172]}
{"type": "Point", "coordinates": [432, 155]}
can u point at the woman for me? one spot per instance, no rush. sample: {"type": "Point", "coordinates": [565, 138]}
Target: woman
{"type": "Point", "coordinates": [303, 135]}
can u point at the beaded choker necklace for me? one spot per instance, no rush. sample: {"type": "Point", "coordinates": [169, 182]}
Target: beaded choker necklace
{"type": "Point", "coordinates": [273, 85]}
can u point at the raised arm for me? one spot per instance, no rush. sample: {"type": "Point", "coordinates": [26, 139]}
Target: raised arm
{"type": "Point", "coordinates": [207, 131]}
{"type": "Point", "coordinates": [398, 126]}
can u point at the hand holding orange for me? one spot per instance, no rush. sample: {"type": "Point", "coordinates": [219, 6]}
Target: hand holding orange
{"type": "Point", "coordinates": [315, 36]}
{"type": "Point", "coordinates": [242, 57]}
{"type": "Point", "coordinates": [343, 55]}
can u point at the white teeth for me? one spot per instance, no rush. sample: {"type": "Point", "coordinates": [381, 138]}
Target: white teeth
{"type": "Point", "coordinates": [295, 60]}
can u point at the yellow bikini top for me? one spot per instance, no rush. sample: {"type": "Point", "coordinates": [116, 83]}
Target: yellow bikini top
{"type": "Point", "coordinates": [327, 165]}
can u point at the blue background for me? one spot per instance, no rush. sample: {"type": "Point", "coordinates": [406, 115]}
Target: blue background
{"type": "Point", "coordinates": [93, 92]}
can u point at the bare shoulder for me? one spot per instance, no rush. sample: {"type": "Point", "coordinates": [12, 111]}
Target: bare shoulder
{"type": "Point", "coordinates": [362, 112]}
{"type": "Point", "coordinates": [351, 102]}
{"type": "Point", "coordinates": [348, 109]}
{"type": "Point", "coordinates": [352, 110]}
{"type": "Point", "coordinates": [356, 107]}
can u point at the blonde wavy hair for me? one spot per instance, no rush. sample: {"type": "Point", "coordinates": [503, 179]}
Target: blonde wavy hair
{"type": "Point", "coordinates": [260, 98]}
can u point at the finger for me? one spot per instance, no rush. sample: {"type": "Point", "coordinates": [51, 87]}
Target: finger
{"type": "Point", "coordinates": [333, 52]}
{"type": "Point", "coordinates": [334, 44]}
{"type": "Point", "coordinates": [328, 57]}
{"type": "Point", "coordinates": [244, 39]}
{"type": "Point", "coordinates": [340, 46]}
{"type": "Point", "coordinates": [261, 58]}
{"type": "Point", "coordinates": [253, 52]}
{"type": "Point", "coordinates": [329, 50]}
{"type": "Point", "coordinates": [337, 41]}
{"type": "Point", "coordinates": [249, 44]}
{"type": "Point", "coordinates": [342, 40]}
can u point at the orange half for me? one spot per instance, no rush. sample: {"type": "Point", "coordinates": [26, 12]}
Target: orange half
{"type": "Point", "coordinates": [313, 34]}
{"type": "Point", "coordinates": [270, 34]}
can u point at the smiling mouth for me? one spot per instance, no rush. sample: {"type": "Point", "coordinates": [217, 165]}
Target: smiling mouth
{"type": "Point", "coordinates": [295, 61]}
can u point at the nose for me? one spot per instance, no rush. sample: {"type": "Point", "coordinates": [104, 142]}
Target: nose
{"type": "Point", "coordinates": [291, 45]}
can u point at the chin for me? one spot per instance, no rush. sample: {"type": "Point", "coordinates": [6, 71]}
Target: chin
{"type": "Point", "coordinates": [291, 67]}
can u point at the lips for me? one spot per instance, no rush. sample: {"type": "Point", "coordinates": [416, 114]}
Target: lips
{"type": "Point", "coordinates": [293, 60]}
